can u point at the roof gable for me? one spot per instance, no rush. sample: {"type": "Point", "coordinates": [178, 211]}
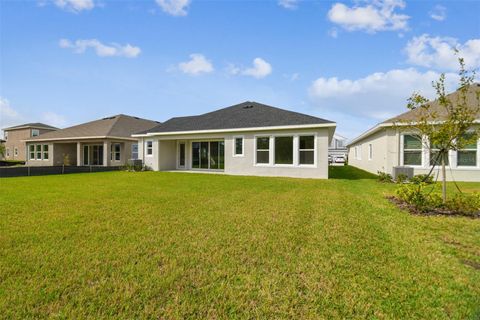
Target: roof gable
{"type": "Point", "coordinates": [34, 125]}
{"type": "Point", "coordinates": [244, 115]}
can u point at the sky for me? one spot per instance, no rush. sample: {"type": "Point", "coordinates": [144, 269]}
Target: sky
{"type": "Point", "coordinates": [65, 62]}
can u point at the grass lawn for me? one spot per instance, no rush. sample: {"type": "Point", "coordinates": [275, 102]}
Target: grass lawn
{"type": "Point", "coordinates": [179, 245]}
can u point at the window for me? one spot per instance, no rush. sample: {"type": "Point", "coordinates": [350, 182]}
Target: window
{"type": "Point", "coordinates": [149, 148]}
{"type": "Point", "coordinates": [115, 152]}
{"type": "Point", "coordinates": [45, 152]}
{"type": "Point", "coordinates": [35, 132]}
{"type": "Point", "coordinates": [8, 152]}
{"type": "Point", "coordinates": [15, 152]}
{"type": "Point", "coordinates": [358, 152]}
{"type": "Point", "coordinates": [31, 151]}
{"type": "Point", "coordinates": [412, 150]}
{"type": "Point", "coordinates": [38, 155]}
{"type": "Point", "coordinates": [435, 158]}
{"type": "Point", "coordinates": [238, 146]}
{"type": "Point", "coordinates": [467, 157]}
{"type": "Point", "coordinates": [135, 151]}
{"type": "Point", "coordinates": [370, 151]}
{"type": "Point", "coordinates": [6, 135]}
{"type": "Point", "coordinates": [283, 150]}
{"type": "Point", "coordinates": [307, 150]}
{"type": "Point", "coordinates": [263, 150]}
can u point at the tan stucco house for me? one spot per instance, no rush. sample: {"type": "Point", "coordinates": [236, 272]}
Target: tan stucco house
{"type": "Point", "coordinates": [103, 142]}
{"type": "Point", "coordinates": [387, 145]}
{"type": "Point", "coordinates": [15, 139]}
{"type": "Point", "coordinates": [245, 139]}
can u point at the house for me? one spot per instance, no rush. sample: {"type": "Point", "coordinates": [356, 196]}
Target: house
{"type": "Point", "coordinates": [245, 139]}
{"type": "Point", "coordinates": [386, 146]}
{"type": "Point", "coordinates": [338, 147]}
{"type": "Point", "coordinates": [14, 139]}
{"type": "Point", "coordinates": [103, 142]}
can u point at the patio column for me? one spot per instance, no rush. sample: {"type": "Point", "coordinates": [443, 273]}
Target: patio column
{"type": "Point", "coordinates": [79, 154]}
{"type": "Point", "coordinates": [106, 153]}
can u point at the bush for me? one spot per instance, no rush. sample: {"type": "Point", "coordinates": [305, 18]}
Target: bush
{"type": "Point", "coordinates": [401, 178]}
{"type": "Point", "coordinates": [413, 194]}
{"type": "Point", "coordinates": [422, 178]}
{"type": "Point", "coordinates": [384, 177]}
{"type": "Point", "coordinates": [467, 204]}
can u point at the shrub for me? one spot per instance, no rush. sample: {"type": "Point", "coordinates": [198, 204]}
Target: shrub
{"type": "Point", "coordinates": [401, 178]}
{"type": "Point", "coordinates": [467, 204]}
{"type": "Point", "coordinates": [384, 177]}
{"type": "Point", "coordinates": [419, 178]}
{"type": "Point", "coordinates": [413, 194]}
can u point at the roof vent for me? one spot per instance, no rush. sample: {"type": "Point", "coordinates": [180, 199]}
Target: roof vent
{"type": "Point", "coordinates": [248, 106]}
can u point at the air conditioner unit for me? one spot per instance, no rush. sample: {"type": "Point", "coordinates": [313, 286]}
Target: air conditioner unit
{"type": "Point", "coordinates": [408, 171]}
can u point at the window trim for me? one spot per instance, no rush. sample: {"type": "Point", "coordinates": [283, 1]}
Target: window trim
{"type": "Point", "coordinates": [370, 152]}
{"type": "Point", "coordinates": [113, 153]}
{"type": "Point", "coordinates": [47, 152]}
{"type": "Point", "coordinates": [131, 151]}
{"type": "Point", "coordinates": [422, 151]}
{"type": "Point", "coordinates": [296, 152]}
{"type": "Point", "coordinates": [7, 152]}
{"type": "Point", "coordinates": [358, 152]}
{"type": "Point", "coordinates": [15, 152]}
{"type": "Point", "coordinates": [37, 131]}
{"type": "Point", "coordinates": [477, 158]}
{"type": "Point", "coordinates": [31, 152]}
{"type": "Point", "coordinates": [235, 154]}
{"type": "Point", "coordinates": [148, 148]}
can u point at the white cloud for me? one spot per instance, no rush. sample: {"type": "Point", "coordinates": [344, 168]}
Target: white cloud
{"type": "Point", "coordinates": [375, 15]}
{"type": "Point", "coordinates": [260, 69]}
{"type": "Point", "coordinates": [439, 52]}
{"type": "Point", "coordinates": [174, 7]}
{"type": "Point", "coordinates": [102, 50]}
{"type": "Point", "coordinates": [71, 5]}
{"type": "Point", "coordinates": [8, 116]}
{"type": "Point", "coordinates": [438, 13]}
{"type": "Point", "coordinates": [288, 4]}
{"type": "Point", "coordinates": [54, 119]}
{"type": "Point", "coordinates": [377, 96]}
{"type": "Point", "coordinates": [197, 64]}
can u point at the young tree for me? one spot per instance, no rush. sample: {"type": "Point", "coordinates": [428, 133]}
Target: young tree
{"type": "Point", "coordinates": [2, 150]}
{"type": "Point", "coordinates": [452, 125]}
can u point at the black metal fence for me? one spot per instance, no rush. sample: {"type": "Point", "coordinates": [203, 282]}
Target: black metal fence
{"type": "Point", "coordinates": [7, 172]}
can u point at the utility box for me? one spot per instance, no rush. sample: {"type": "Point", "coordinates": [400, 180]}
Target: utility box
{"type": "Point", "coordinates": [408, 171]}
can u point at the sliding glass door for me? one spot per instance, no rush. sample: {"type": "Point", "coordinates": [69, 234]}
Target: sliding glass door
{"type": "Point", "coordinates": [208, 155]}
{"type": "Point", "coordinates": [93, 155]}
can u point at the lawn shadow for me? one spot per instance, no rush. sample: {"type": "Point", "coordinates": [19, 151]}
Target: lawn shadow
{"type": "Point", "coordinates": [348, 173]}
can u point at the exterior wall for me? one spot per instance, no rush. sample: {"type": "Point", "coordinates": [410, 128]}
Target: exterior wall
{"type": "Point", "coordinates": [165, 153]}
{"type": "Point", "coordinates": [61, 149]}
{"type": "Point", "coordinates": [387, 154]}
{"type": "Point", "coordinates": [15, 140]}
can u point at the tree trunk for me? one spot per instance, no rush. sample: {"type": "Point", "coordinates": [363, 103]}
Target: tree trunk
{"type": "Point", "coordinates": [444, 180]}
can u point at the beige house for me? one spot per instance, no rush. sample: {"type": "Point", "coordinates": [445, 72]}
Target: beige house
{"type": "Point", "coordinates": [15, 139]}
{"type": "Point", "coordinates": [104, 142]}
{"type": "Point", "coordinates": [387, 145]}
{"type": "Point", "coordinates": [245, 139]}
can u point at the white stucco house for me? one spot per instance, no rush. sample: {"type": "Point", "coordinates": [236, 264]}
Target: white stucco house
{"type": "Point", "coordinates": [245, 139]}
{"type": "Point", "coordinates": [387, 145]}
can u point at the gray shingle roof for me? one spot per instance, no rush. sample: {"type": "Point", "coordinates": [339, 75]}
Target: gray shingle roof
{"type": "Point", "coordinates": [244, 115]}
{"type": "Point", "coordinates": [35, 125]}
{"type": "Point", "coordinates": [412, 115]}
{"type": "Point", "coordinates": [116, 126]}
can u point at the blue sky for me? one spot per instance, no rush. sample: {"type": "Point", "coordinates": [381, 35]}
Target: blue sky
{"type": "Point", "coordinates": [65, 62]}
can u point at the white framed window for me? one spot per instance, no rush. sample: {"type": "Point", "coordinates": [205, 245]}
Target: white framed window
{"type": "Point", "coordinates": [7, 151]}
{"type": "Point", "coordinates": [306, 150]}
{"type": "Point", "coordinates": [135, 151]}
{"type": "Point", "coordinates": [31, 152]}
{"type": "Point", "coordinates": [262, 150]}
{"type": "Point", "coordinates": [15, 151]}
{"type": "Point", "coordinates": [467, 157]}
{"type": "Point", "coordinates": [370, 151]}
{"type": "Point", "coordinates": [45, 152]}
{"type": "Point", "coordinates": [5, 134]}
{"type": "Point", "coordinates": [35, 132]}
{"type": "Point", "coordinates": [115, 152]}
{"type": "Point", "coordinates": [38, 153]}
{"type": "Point", "coordinates": [283, 150]}
{"type": "Point", "coordinates": [149, 147]}
{"type": "Point", "coordinates": [238, 147]}
{"type": "Point", "coordinates": [435, 158]}
{"type": "Point", "coordinates": [358, 152]}
{"type": "Point", "coordinates": [412, 150]}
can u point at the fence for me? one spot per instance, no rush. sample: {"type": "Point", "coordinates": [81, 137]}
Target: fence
{"type": "Point", "coordinates": [6, 172]}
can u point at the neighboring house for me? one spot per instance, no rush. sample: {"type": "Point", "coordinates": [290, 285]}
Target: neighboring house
{"type": "Point", "coordinates": [104, 142]}
{"type": "Point", "coordinates": [386, 146]}
{"type": "Point", "coordinates": [338, 146]}
{"type": "Point", "coordinates": [15, 139]}
{"type": "Point", "coordinates": [245, 139]}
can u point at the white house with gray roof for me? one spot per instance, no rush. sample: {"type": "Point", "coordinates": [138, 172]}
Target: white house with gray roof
{"type": "Point", "coordinates": [245, 139]}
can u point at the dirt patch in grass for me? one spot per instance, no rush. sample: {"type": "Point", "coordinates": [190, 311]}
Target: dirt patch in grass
{"type": "Point", "coordinates": [473, 264]}
{"type": "Point", "coordinates": [431, 212]}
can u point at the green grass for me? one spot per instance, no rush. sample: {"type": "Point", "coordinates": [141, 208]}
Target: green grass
{"type": "Point", "coordinates": [172, 245]}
